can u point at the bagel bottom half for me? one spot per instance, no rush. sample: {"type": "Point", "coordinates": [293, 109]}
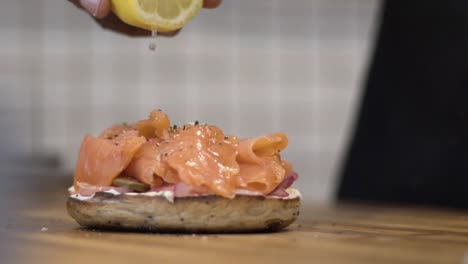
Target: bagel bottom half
{"type": "Point", "coordinates": [207, 214]}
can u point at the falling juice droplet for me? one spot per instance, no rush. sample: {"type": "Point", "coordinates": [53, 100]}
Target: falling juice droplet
{"type": "Point", "coordinates": [154, 35]}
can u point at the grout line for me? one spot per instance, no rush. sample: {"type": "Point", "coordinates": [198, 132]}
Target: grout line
{"type": "Point", "coordinates": [276, 66]}
{"type": "Point", "coordinates": [191, 78]}
{"type": "Point", "coordinates": [235, 86]}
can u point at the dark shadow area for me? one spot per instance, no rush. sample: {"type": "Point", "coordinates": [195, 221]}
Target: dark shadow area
{"type": "Point", "coordinates": [180, 232]}
{"type": "Point", "coordinates": [410, 143]}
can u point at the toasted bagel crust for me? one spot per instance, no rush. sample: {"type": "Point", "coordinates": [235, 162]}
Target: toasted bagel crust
{"type": "Point", "coordinates": [206, 214]}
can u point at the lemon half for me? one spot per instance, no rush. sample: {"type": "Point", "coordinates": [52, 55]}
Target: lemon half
{"type": "Point", "coordinates": [160, 15]}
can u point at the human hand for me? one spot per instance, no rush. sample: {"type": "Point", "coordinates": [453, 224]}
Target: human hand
{"type": "Point", "coordinates": [101, 10]}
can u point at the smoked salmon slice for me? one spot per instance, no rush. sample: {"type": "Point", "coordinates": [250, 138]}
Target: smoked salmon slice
{"type": "Point", "coordinates": [157, 125]}
{"type": "Point", "coordinates": [261, 168]}
{"type": "Point", "coordinates": [194, 155]}
{"type": "Point", "coordinates": [197, 158]}
{"type": "Point", "coordinates": [101, 160]}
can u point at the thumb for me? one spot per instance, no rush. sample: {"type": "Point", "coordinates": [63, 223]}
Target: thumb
{"type": "Point", "coordinates": [97, 8]}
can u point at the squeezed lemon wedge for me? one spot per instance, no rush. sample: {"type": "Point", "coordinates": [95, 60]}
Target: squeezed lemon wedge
{"type": "Point", "coordinates": [156, 15]}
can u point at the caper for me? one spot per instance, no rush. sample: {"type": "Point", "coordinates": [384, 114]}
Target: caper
{"type": "Point", "coordinates": [131, 183]}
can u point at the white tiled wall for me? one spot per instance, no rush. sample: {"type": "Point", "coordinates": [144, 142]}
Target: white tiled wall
{"type": "Point", "coordinates": [250, 66]}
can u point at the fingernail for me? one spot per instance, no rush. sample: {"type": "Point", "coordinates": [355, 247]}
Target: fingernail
{"type": "Point", "coordinates": [92, 6]}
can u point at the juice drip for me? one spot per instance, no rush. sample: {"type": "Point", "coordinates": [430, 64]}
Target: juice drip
{"type": "Point", "coordinates": [154, 35]}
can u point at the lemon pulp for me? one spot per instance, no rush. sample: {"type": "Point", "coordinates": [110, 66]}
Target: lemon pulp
{"type": "Point", "coordinates": [160, 15]}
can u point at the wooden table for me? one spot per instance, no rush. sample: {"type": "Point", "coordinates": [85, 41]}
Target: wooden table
{"type": "Point", "coordinates": [37, 229]}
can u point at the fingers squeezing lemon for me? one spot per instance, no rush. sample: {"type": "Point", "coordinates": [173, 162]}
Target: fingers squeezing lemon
{"type": "Point", "coordinates": [160, 15]}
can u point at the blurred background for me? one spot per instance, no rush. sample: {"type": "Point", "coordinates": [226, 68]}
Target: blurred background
{"type": "Point", "coordinates": [250, 67]}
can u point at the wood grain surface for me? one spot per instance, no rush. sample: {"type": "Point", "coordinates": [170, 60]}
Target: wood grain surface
{"type": "Point", "coordinates": [37, 229]}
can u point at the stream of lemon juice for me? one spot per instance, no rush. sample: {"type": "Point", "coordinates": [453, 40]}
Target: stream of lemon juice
{"type": "Point", "coordinates": [154, 35]}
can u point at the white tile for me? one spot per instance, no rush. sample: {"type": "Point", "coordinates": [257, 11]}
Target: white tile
{"type": "Point", "coordinates": [255, 78]}
{"type": "Point", "coordinates": [9, 15]}
{"type": "Point", "coordinates": [15, 92]}
{"type": "Point", "coordinates": [17, 131]}
{"type": "Point", "coordinates": [297, 75]}
{"type": "Point", "coordinates": [10, 42]}
{"type": "Point", "coordinates": [339, 71]}
{"type": "Point", "coordinates": [256, 119]}
{"type": "Point", "coordinates": [79, 122]}
{"type": "Point", "coordinates": [297, 119]}
{"type": "Point", "coordinates": [214, 79]}
{"type": "Point", "coordinates": [54, 129]}
{"type": "Point", "coordinates": [219, 115]}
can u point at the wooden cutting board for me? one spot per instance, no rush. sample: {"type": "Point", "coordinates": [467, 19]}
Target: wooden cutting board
{"type": "Point", "coordinates": [37, 229]}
